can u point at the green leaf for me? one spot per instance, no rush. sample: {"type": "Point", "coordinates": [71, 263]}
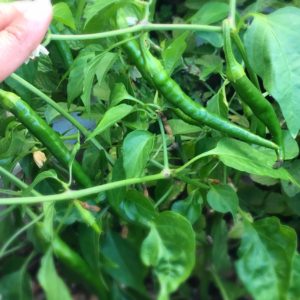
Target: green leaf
{"type": "Point", "coordinates": [93, 161]}
{"type": "Point", "coordinates": [62, 13]}
{"type": "Point", "coordinates": [218, 104]}
{"type": "Point", "coordinates": [170, 250]}
{"type": "Point", "coordinates": [291, 148]}
{"type": "Point", "coordinates": [16, 285]}
{"type": "Point", "coordinates": [90, 247]}
{"type": "Point", "coordinates": [115, 196]}
{"type": "Point", "coordinates": [98, 66]}
{"type": "Point", "coordinates": [266, 258]}
{"type": "Point", "coordinates": [210, 64]}
{"type": "Point", "coordinates": [172, 54]}
{"type": "Point", "coordinates": [77, 73]}
{"type": "Point", "coordinates": [123, 264]}
{"type": "Point", "coordinates": [294, 288]}
{"type": "Point", "coordinates": [111, 116]}
{"type": "Point", "coordinates": [94, 7]}
{"type": "Point", "coordinates": [87, 217]}
{"type": "Point", "coordinates": [190, 207]}
{"type": "Point", "coordinates": [137, 147]}
{"type": "Point", "coordinates": [220, 256]}
{"type": "Point", "coordinates": [274, 55]}
{"type": "Point", "coordinates": [41, 177]}
{"type": "Point", "coordinates": [213, 38]}
{"type": "Point", "coordinates": [52, 284]}
{"type": "Point", "coordinates": [223, 199]}
{"type": "Point", "coordinates": [263, 180]}
{"type": "Point", "coordinates": [243, 157]}
{"type": "Point", "coordinates": [138, 208]}
{"type": "Point", "coordinates": [275, 203]}
{"type": "Point", "coordinates": [118, 94]}
{"type": "Point", "coordinates": [210, 13]}
{"type": "Point", "coordinates": [291, 189]}
{"type": "Point", "coordinates": [180, 127]}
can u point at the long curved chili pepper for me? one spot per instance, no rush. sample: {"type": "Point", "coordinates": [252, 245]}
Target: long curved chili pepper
{"type": "Point", "coordinates": [249, 93]}
{"type": "Point", "coordinates": [153, 71]}
{"type": "Point", "coordinates": [43, 132]}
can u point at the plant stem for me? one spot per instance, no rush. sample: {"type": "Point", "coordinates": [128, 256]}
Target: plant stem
{"type": "Point", "coordinates": [194, 159]}
{"type": "Point", "coordinates": [193, 182]}
{"type": "Point", "coordinates": [18, 233]}
{"type": "Point", "coordinates": [81, 193]}
{"type": "Point", "coordinates": [164, 197]}
{"type": "Point", "coordinates": [135, 28]}
{"type": "Point", "coordinates": [219, 284]}
{"type": "Point", "coordinates": [96, 189]}
{"type": "Point", "coordinates": [6, 211]}
{"type": "Point", "coordinates": [232, 12]}
{"type": "Point", "coordinates": [164, 143]}
{"type": "Point", "coordinates": [79, 11]}
{"type": "Point", "coordinates": [19, 183]}
{"type": "Point", "coordinates": [59, 109]}
{"type": "Point", "coordinates": [13, 249]}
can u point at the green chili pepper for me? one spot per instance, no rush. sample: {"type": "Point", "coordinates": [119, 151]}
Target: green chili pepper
{"type": "Point", "coordinates": [249, 93]}
{"type": "Point", "coordinates": [185, 117]}
{"type": "Point", "coordinates": [153, 71]}
{"type": "Point", "coordinates": [63, 48]}
{"type": "Point", "coordinates": [43, 132]}
{"type": "Point", "coordinates": [72, 260]}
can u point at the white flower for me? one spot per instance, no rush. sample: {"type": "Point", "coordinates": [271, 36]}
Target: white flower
{"type": "Point", "coordinates": [40, 50]}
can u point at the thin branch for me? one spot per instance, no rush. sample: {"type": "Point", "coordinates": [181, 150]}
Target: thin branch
{"type": "Point", "coordinates": [135, 28]}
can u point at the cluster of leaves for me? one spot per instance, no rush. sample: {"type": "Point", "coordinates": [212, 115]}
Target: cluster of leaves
{"type": "Point", "coordinates": [224, 225]}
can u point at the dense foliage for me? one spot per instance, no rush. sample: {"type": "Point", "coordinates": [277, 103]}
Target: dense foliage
{"type": "Point", "coordinates": [178, 208]}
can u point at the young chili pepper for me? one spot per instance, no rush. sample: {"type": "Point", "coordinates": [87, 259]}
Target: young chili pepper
{"type": "Point", "coordinates": [153, 71]}
{"type": "Point", "coordinates": [44, 133]}
{"type": "Point", "coordinates": [63, 48]}
{"type": "Point", "coordinates": [249, 93]}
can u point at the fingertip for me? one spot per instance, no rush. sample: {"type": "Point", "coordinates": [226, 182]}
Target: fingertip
{"type": "Point", "coordinates": [23, 33]}
{"type": "Point", "coordinates": [39, 11]}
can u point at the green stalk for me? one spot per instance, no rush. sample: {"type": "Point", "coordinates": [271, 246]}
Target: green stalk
{"type": "Point", "coordinates": [81, 193]}
{"type": "Point", "coordinates": [135, 28]}
{"type": "Point", "coordinates": [164, 142]}
{"type": "Point", "coordinates": [232, 12]}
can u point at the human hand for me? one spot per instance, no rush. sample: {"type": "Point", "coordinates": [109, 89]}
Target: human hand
{"type": "Point", "coordinates": [22, 27]}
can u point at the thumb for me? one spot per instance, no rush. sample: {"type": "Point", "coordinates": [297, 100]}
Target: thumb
{"type": "Point", "coordinates": [22, 27]}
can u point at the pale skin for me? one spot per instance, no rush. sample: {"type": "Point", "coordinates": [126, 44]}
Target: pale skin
{"type": "Point", "coordinates": [22, 27]}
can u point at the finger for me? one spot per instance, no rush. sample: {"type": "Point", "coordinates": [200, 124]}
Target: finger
{"type": "Point", "coordinates": [8, 13]}
{"type": "Point", "coordinates": [23, 33]}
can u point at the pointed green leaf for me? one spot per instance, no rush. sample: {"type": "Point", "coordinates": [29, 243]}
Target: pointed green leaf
{"type": "Point", "coordinates": [52, 284]}
{"type": "Point", "coordinates": [170, 250]}
{"type": "Point", "coordinates": [243, 157]}
{"type": "Point", "coordinates": [123, 262]}
{"type": "Point", "coordinates": [223, 199]}
{"type": "Point", "coordinates": [211, 12]}
{"type": "Point", "coordinates": [138, 208]}
{"type": "Point", "coordinates": [111, 116]}
{"type": "Point", "coordinates": [172, 54]}
{"type": "Point", "coordinates": [98, 67]}
{"type": "Point", "coordinates": [266, 258]}
{"type": "Point", "coordinates": [16, 285]}
{"type": "Point", "coordinates": [62, 13]}
{"type": "Point", "coordinates": [294, 289]}
{"type": "Point", "coordinates": [137, 147]}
